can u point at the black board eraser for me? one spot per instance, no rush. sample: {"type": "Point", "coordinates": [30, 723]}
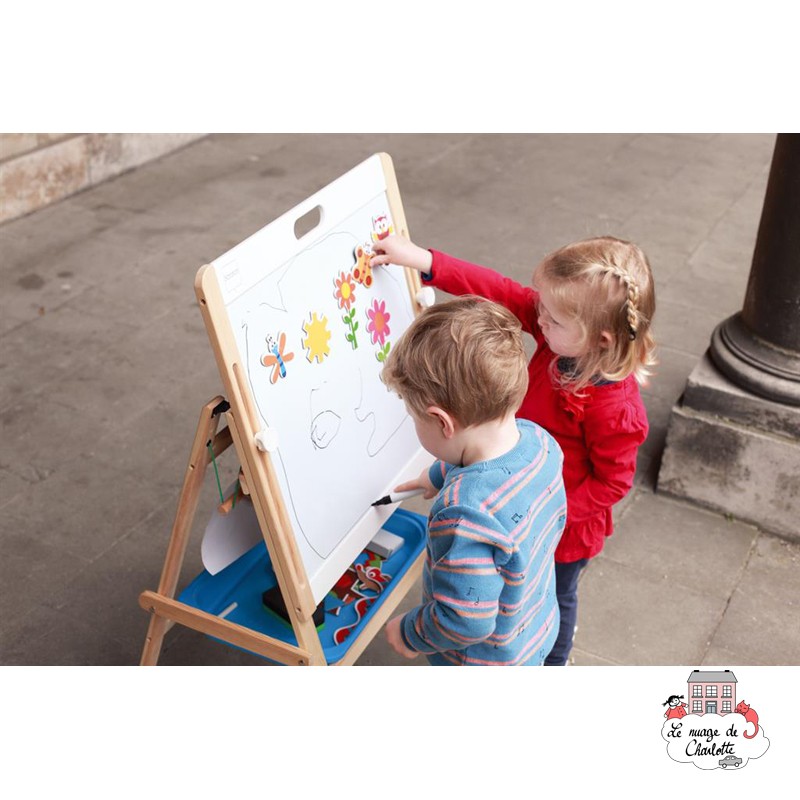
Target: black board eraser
{"type": "Point", "coordinates": [273, 601]}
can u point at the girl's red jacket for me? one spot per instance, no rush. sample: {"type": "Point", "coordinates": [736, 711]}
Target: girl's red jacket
{"type": "Point", "coordinates": [599, 433]}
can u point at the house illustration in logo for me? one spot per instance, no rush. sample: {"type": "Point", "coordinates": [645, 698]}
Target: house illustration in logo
{"type": "Point", "coordinates": [712, 692]}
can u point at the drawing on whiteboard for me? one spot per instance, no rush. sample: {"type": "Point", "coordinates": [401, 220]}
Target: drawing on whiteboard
{"type": "Point", "coordinates": [384, 426]}
{"type": "Point", "coordinates": [324, 428]}
{"type": "Point", "coordinates": [276, 357]}
{"type": "Point", "coordinates": [362, 271]}
{"type": "Point", "coordinates": [273, 298]}
{"type": "Point", "coordinates": [317, 336]}
{"type": "Point", "coordinates": [325, 424]}
{"type": "Point", "coordinates": [381, 227]}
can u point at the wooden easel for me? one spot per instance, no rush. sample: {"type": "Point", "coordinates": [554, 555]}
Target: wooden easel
{"type": "Point", "coordinates": [260, 478]}
{"type": "Point", "coordinates": [166, 610]}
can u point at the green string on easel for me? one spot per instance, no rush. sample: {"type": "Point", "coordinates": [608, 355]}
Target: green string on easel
{"type": "Point", "coordinates": [235, 494]}
{"type": "Point", "coordinates": [216, 471]}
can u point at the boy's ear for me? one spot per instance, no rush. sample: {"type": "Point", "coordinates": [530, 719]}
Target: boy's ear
{"type": "Point", "coordinates": [606, 340]}
{"type": "Point", "coordinates": [444, 419]}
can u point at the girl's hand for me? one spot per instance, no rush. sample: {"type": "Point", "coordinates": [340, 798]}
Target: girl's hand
{"type": "Point", "coordinates": [395, 638]}
{"type": "Point", "coordinates": [422, 482]}
{"type": "Point", "coordinates": [401, 251]}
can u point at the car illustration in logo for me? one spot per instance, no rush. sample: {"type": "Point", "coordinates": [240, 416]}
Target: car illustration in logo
{"type": "Point", "coordinates": [730, 761]}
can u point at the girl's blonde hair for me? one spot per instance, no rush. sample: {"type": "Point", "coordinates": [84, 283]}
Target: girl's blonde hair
{"type": "Point", "coordinates": [605, 285]}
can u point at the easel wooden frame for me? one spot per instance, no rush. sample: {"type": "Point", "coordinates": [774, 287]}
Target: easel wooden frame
{"type": "Point", "coordinates": [270, 512]}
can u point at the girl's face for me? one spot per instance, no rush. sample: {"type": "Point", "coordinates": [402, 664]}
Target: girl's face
{"type": "Point", "coordinates": [562, 333]}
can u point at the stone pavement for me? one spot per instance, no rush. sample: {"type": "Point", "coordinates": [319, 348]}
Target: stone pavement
{"type": "Point", "coordinates": [105, 365]}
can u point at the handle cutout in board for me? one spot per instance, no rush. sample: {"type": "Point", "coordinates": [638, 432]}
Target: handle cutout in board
{"type": "Point", "coordinates": [306, 223]}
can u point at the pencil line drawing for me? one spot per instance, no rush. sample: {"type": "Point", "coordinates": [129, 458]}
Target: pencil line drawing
{"type": "Point", "coordinates": [373, 448]}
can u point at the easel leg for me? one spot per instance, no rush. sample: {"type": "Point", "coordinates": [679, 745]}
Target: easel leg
{"type": "Point", "coordinates": [184, 517]}
{"type": "Point", "coordinates": [154, 640]}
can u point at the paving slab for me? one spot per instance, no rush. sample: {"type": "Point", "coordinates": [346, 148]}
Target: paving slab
{"type": "Point", "coordinates": [31, 569]}
{"type": "Point", "coordinates": [760, 622]}
{"type": "Point", "coordinates": [686, 546]}
{"type": "Point", "coordinates": [41, 435]}
{"type": "Point", "coordinates": [69, 339]}
{"type": "Point", "coordinates": [634, 618]}
{"type": "Point", "coordinates": [69, 513]}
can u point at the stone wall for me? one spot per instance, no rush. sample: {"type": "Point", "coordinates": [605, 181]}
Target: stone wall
{"type": "Point", "coordinates": [37, 169]}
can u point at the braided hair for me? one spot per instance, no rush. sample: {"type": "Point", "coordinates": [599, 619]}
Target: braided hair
{"type": "Point", "coordinates": [606, 285]}
{"type": "Point", "coordinates": [632, 302]}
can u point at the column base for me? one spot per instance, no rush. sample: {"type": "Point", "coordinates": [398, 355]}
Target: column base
{"type": "Point", "coordinates": [750, 362]}
{"type": "Point", "coordinates": [734, 452]}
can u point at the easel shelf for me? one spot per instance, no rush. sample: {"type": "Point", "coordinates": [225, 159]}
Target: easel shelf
{"type": "Point", "coordinates": [238, 588]}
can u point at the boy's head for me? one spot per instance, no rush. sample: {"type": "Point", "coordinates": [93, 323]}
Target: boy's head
{"type": "Point", "coordinates": [464, 356]}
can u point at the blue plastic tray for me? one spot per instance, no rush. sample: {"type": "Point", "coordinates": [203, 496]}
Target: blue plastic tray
{"type": "Point", "coordinates": [244, 581]}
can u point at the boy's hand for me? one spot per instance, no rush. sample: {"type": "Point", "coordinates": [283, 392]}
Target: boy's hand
{"type": "Point", "coordinates": [422, 482]}
{"type": "Point", "coordinates": [401, 251]}
{"type": "Point", "coordinates": [395, 638]}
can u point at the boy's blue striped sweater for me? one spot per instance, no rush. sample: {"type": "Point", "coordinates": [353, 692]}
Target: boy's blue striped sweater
{"type": "Point", "coordinates": [488, 584]}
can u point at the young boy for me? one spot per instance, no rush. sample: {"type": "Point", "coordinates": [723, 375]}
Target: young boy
{"type": "Point", "coordinates": [488, 580]}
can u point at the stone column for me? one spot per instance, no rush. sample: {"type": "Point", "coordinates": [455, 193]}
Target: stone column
{"type": "Point", "coordinates": [733, 442]}
{"type": "Point", "coordinates": [759, 348]}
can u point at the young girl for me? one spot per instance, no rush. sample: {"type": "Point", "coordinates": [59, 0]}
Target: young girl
{"type": "Point", "coordinates": [589, 311]}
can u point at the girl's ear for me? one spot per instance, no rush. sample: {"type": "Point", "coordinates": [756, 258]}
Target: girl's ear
{"type": "Point", "coordinates": [444, 419]}
{"type": "Point", "coordinates": [606, 340]}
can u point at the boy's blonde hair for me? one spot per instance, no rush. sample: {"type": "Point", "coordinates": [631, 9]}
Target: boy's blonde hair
{"type": "Point", "coordinates": [604, 284]}
{"type": "Point", "coordinates": [465, 356]}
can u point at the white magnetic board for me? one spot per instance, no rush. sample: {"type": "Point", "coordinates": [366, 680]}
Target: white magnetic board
{"type": "Point", "coordinates": [311, 328]}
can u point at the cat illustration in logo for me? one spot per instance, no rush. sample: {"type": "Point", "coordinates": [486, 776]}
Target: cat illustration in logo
{"type": "Point", "coordinates": [750, 715]}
